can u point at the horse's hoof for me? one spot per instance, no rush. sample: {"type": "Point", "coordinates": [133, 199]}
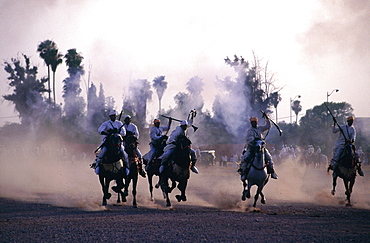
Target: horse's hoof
{"type": "Point", "coordinates": [116, 189]}
{"type": "Point", "coordinates": [104, 203]}
{"type": "Point", "coordinates": [332, 192]}
{"type": "Point", "coordinates": [263, 201]}
{"type": "Point", "coordinates": [243, 197]}
{"type": "Point", "coordinates": [107, 196]}
{"type": "Point", "coordinates": [134, 206]}
{"type": "Point", "coordinates": [178, 197]}
{"type": "Point", "coordinates": [183, 198]}
{"type": "Point", "coordinates": [247, 194]}
{"type": "Point", "coordinates": [168, 205]}
{"type": "Point", "coordinates": [125, 194]}
{"type": "Point", "coordinates": [348, 205]}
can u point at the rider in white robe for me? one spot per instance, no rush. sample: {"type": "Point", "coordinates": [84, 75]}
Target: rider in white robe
{"type": "Point", "coordinates": [253, 133]}
{"type": "Point", "coordinates": [348, 136]}
{"type": "Point", "coordinates": [104, 129]}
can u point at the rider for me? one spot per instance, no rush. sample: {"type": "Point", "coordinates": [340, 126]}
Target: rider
{"type": "Point", "coordinates": [156, 139]}
{"type": "Point", "coordinates": [348, 136]}
{"type": "Point", "coordinates": [132, 128]}
{"type": "Point", "coordinates": [256, 133]}
{"type": "Point", "coordinates": [171, 146]}
{"type": "Point", "coordinates": [106, 128]}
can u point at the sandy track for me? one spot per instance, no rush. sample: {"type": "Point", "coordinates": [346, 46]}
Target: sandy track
{"type": "Point", "coordinates": [62, 203]}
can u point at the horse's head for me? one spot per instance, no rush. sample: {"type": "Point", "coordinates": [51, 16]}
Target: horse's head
{"type": "Point", "coordinates": [114, 141]}
{"type": "Point", "coordinates": [131, 142]}
{"type": "Point", "coordinates": [183, 143]}
{"type": "Point", "coordinates": [258, 145]}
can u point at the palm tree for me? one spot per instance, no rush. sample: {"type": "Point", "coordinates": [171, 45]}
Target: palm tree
{"type": "Point", "coordinates": [160, 86]}
{"type": "Point", "coordinates": [47, 52]}
{"type": "Point", "coordinates": [296, 107]}
{"type": "Point", "coordinates": [275, 100]}
{"type": "Point", "coordinates": [57, 59]}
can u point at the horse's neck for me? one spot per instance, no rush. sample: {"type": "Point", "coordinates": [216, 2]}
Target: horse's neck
{"type": "Point", "coordinates": [259, 158]}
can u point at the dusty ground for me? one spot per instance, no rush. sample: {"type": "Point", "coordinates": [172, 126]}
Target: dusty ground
{"type": "Point", "coordinates": [62, 204]}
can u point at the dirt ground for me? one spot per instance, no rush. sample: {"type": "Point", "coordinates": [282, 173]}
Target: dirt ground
{"type": "Point", "coordinates": [62, 203]}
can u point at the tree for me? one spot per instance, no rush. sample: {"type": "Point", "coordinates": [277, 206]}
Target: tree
{"type": "Point", "coordinates": [28, 90]}
{"type": "Point", "coordinates": [135, 103]}
{"type": "Point", "coordinates": [296, 107]}
{"type": "Point", "coordinates": [275, 100]}
{"type": "Point", "coordinates": [57, 59]}
{"type": "Point", "coordinates": [160, 86]}
{"type": "Point", "coordinates": [195, 88]}
{"type": "Point", "coordinates": [73, 103]}
{"type": "Point", "coordinates": [314, 126]}
{"type": "Point", "coordinates": [49, 52]}
{"type": "Point", "coordinates": [245, 96]}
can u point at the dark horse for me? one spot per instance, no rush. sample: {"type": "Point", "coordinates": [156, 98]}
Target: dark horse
{"type": "Point", "coordinates": [345, 169]}
{"type": "Point", "coordinates": [131, 144]}
{"type": "Point", "coordinates": [257, 173]}
{"type": "Point", "coordinates": [177, 171]}
{"type": "Point", "coordinates": [111, 167]}
{"type": "Point", "coordinates": [152, 167]}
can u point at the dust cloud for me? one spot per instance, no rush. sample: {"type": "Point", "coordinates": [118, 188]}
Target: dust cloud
{"type": "Point", "coordinates": [52, 174]}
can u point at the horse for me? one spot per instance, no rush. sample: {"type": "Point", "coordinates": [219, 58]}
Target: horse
{"type": "Point", "coordinates": [257, 174]}
{"type": "Point", "coordinates": [153, 166]}
{"type": "Point", "coordinates": [131, 143]}
{"type": "Point", "coordinates": [177, 171]}
{"type": "Point", "coordinates": [345, 169]}
{"type": "Point", "coordinates": [112, 167]}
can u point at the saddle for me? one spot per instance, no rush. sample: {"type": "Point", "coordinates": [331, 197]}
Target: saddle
{"type": "Point", "coordinates": [114, 167]}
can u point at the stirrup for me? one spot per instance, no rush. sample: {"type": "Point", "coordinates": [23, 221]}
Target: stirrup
{"type": "Point", "coordinates": [274, 175]}
{"type": "Point", "coordinates": [194, 169]}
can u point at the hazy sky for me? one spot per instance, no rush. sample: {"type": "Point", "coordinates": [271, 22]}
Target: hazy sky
{"type": "Point", "coordinates": [312, 46]}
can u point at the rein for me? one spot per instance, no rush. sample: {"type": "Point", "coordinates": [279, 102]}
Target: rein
{"type": "Point", "coordinates": [259, 168]}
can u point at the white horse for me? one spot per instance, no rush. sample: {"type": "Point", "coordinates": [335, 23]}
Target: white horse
{"type": "Point", "coordinates": [257, 174]}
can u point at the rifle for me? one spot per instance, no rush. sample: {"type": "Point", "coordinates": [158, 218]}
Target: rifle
{"type": "Point", "coordinates": [276, 125]}
{"type": "Point", "coordinates": [335, 122]}
{"type": "Point", "coordinates": [168, 117]}
{"type": "Point", "coordinates": [120, 115]}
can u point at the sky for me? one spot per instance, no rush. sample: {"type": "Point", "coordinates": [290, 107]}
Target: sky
{"type": "Point", "coordinates": [313, 47]}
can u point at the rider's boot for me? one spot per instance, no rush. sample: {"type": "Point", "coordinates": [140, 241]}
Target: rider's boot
{"type": "Point", "coordinates": [96, 165]}
{"type": "Point", "coordinates": [244, 169]}
{"type": "Point", "coordinates": [141, 171]}
{"type": "Point", "coordinates": [359, 170]}
{"type": "Point", "coordinates": [271, 170]}
{"type": "Point", "coordinates": [193, 168]}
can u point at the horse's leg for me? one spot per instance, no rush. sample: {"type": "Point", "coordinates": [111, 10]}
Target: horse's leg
{"type": "Point", "coordinates": [334, 185]}
{"type": "Point", "coordinates": [248, 191]}
{"type": "Point", "coordinates": [257, 195]}
{"type": "Point", "coordinates": [182, 187]}
{"type": "Point", "coordinates": [150, 181]}
{"type": "Point", "coordinates": [348, 191]}
{"type": "Point", "coordinates": [244, 191]}
{"type": "Point", "coordinates": [126, 186]}
{"type": "Point", "coordinates": [163, 181]}
{"type": "Point", "coordinates": [103, 187]}
{"type": "Point", "coordinates": [120, 185]}
{"type": "Point", "coordinates": [263, 201]}
{"type": "Point", "coordinates": [158, 184]}
{"type": "Point", "coordinates": [173, 185]}
{"type": "Point", "coordinates": [134, 185]}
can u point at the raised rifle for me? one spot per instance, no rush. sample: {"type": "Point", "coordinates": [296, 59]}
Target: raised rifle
{"type": "Point", "coordinates": [168, 117]}
{"type": "Point", "coordinates": [276, 125]}
{"type": "Point", "coordinates": [335, 122]}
